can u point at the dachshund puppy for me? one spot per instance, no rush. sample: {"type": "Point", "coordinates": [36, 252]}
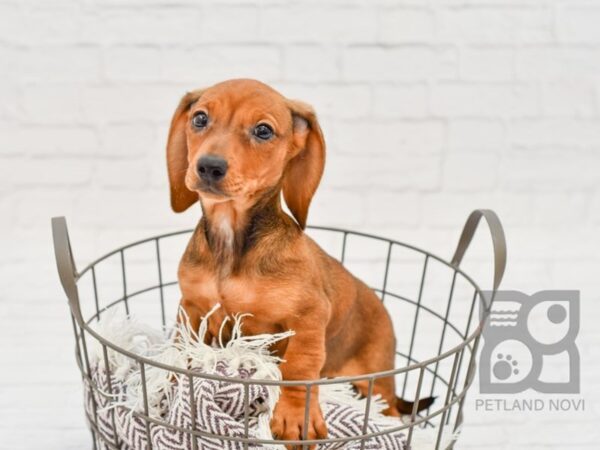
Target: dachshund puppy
{"type": "Point", "coordinates": [235, 147]}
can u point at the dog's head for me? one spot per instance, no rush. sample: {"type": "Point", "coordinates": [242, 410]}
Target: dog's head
{"type": "Point", "coordinates": [239, 139]}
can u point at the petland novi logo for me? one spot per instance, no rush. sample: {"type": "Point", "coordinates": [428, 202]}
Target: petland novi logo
{"type": "Point", "coordinates": [529, 343]}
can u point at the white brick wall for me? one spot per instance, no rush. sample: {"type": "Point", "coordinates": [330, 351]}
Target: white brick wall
{"type": "Point", "coordinates": [430, 109]}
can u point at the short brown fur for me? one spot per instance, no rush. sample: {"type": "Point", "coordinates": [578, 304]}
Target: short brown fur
{"type": "Point", "coordinates": [251, 257]}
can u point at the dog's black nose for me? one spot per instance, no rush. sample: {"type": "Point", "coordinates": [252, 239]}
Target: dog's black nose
{"type": "Point", "coordinates": [212, 168]}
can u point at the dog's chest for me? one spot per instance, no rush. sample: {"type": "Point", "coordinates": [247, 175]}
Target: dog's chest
{"type": "Point", "coordinates": [235, 295]}
{"type": "Point", "coordinates": [238, 297]}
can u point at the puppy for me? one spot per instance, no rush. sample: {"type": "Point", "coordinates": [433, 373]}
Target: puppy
{"type": "Point", "coordinates": [235, 147]}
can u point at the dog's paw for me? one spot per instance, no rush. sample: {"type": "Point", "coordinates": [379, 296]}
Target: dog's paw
{"type": "Point", "coordinates": [288, 420]}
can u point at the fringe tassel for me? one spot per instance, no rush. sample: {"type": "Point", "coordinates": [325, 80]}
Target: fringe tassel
{"type": "Point", "coordinates": [182, 348]}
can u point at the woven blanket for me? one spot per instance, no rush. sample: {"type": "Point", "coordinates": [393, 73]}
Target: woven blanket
{"type": "Point", "coordinates": [213, 408]}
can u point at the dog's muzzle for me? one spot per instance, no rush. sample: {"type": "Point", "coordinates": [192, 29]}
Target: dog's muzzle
{"type": "Point", "coordinates": [211, 169]}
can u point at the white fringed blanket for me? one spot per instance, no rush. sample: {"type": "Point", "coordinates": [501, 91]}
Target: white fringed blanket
{"type": "Point", "coordinates": [218, 405]}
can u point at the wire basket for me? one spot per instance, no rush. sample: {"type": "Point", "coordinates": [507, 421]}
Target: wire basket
{"type": "Point", "coordinates": [431, 301]}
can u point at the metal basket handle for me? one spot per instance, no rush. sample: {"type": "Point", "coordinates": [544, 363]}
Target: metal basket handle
{"type": "Point", "coordinates": [66, 266]}
{"type": "Point", "coordinates": [498, 241]}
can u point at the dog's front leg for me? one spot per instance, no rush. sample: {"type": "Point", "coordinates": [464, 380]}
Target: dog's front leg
{"type": "Point", "coordinates": [304, 358]}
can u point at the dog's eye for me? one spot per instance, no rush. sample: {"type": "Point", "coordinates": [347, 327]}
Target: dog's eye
{"type": "Point", "coordinates": [200, 120]}
{"type": "Point", "coordinates": [263, 131]}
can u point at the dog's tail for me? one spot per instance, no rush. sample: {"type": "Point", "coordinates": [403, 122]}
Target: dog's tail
{"type": "Point", "coordinates": [404, 407]}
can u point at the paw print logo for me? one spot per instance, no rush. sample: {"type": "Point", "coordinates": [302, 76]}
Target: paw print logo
{"type": "Point", "coordinates": [505, 367]}
{"type": "Point", "coordinates": [525, 332]}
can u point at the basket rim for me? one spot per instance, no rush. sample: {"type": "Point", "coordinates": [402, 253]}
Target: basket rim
{"type": "Point", "coordinates": [417, 366]}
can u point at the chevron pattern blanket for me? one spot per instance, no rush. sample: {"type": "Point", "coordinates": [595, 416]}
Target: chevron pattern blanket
{"type": "Point", "coordinates": [214, 409]}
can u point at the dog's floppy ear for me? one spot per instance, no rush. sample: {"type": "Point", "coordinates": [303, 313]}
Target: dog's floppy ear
{"type": "Point", "coordinates": [177, 154]}
{"type": "Point", "coordinates": [304, 170]}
